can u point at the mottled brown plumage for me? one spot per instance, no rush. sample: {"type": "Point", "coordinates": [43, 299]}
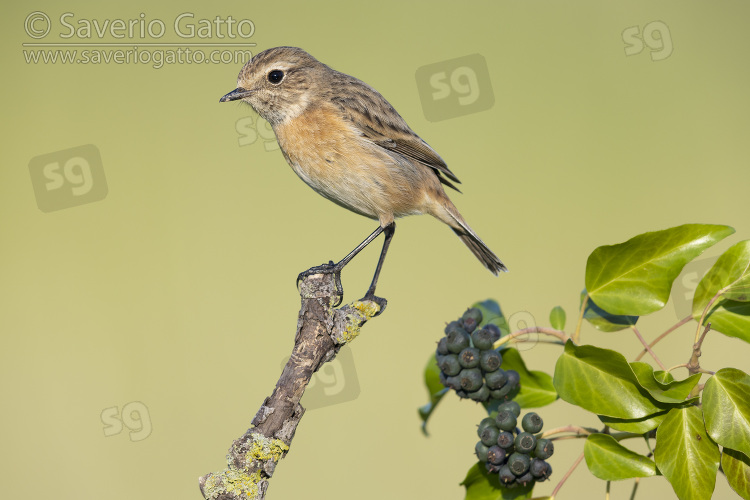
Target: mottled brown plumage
{"type": "Point", "coordinates": [351, 146]}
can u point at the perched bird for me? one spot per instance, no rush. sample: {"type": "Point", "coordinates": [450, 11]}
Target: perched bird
{"type": "Point", "coordinates": [351, 146]}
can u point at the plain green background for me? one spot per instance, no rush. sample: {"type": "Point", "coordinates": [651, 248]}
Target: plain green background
{"type": "Point", "coordinates": [177, 289]}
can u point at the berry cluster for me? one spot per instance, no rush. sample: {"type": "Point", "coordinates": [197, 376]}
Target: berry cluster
{"type": "Point", "coordinates": [468, 363]}
{"type": "Point", "coordinates": [519, 458]}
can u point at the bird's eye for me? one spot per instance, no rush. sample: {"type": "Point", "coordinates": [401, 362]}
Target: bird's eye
{"type": "Point", "coordinates": [276, 76]}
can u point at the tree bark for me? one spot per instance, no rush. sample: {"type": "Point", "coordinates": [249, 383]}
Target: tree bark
{"type": "Point", "coordinates": [321, 332]}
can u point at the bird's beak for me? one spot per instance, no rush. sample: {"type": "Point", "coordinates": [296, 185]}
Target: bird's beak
{"type": "Point", "coordinates": [238, 93]}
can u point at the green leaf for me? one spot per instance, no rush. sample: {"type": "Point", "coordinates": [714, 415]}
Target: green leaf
{"type": "Point", "coordinates": [731, 270]}
{"type": "Point", "coordinates": [663, 377]}
{"type": "Point", "coordinates": [481, 485]}
{"type": "Point", "coordinates": [736, 467]}
{"type": "Point", "coordinates": [604, 321]}
{"type": "Point", "coordinates": [637, 426]}
{"type": "Point", "coordinates": [537, 389]}
{"type": "Point", "coordinates": [674, 392]}
{"type": "Point", "coordinates": [731, 318]}
{"type": "Point", "coordinates": [557, 318]}
{"type": "Point", "coordinates": [601, 381]}
{"type": "Point", "coordinates": [491, 313]}
{"type": "Point", "coordinates": [726, 407]}
{"type": "Point", "coordinates": [635, 277]}
{"type": "Point", "coordinates": [609, 460]}
{"type": "Point", "coordinates": [730, 314]}
{"type": "Point", "coordinates": [686, 455]}
{"type": "Point", "coordinates": [435, 389]}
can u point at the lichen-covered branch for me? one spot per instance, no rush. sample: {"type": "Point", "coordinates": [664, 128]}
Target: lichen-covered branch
{"type": "Point", "coordinates": [321, 332]}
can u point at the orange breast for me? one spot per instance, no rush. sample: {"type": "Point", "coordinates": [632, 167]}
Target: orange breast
{"type": "Point", "coordinates": [332, 157]}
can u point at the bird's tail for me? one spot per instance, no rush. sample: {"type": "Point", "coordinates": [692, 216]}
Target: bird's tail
{"type": "Point", "coordinates": [474, 242]}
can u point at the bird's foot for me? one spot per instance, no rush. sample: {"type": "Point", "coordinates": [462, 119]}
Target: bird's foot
{"type": "Point", "coordinates": [381, 302]}
{"type": "Point", "coordinates": [329, 268]}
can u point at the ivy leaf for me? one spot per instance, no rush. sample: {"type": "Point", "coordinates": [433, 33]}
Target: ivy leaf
{"type": "Point", "coordinates": [607, 459]}
{"type": "Point", "coordinates": [537, 389]}
{"type": "Point", "coordinates": [557, 318]}
{"type": "Point", "coordinates": [435, 389]}
{"type": "Point", "coordinates": [601, 381]}
{"type": "Point", "coordinates": [491, 313]}
{"type": "Point", "coordinates": [602, 320]}
{"type": "Point", "coordinates": [635, 277]}
{"type": "Point", "coordinates": [636, 425]}
{"type": "Point", "coordinates": [726, 407]}
{"type": "Point", "coordinates": [481, 485]}
{"type": "Point", "coordinates": [736, 467]}
{"type": "Point", "coordinates": [673, 392]}
{"type": "Point", "coordinates": [730, 314]}
{"type": "Point", "coordinates": [686, 455]}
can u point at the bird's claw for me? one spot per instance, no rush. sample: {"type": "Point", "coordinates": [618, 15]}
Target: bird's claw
{"type": "Point", "coordinates": [329, 268]}
{"type": "Point", "coordinates": [381, 302]}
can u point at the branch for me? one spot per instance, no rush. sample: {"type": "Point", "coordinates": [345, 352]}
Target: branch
{"type": "Point", "coordinates": [648, 347]}
{"type": "Point", "coordinates": [534, 329]}
{"type": "Point", "coordinates": [669, 330]}
{"type": "Point", "coordinates": [321, 332]}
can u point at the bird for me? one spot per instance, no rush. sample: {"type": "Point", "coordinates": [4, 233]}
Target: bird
{"type": "Point", "coordinates": [350, 145]}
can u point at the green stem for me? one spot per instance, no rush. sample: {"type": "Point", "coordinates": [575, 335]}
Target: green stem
{"type": "Point", "coordinates": [566, 476]}
{"type": "Point", "coordinates": [648, 348]}
{"type": "Point", "coordinates": [635, 488]}
{"type": "Point", "coordinates": [672, 328]}
{"type": "Point", "coordinates": [705, 313]}
{"type": "Point", "coordinates": [577, 334]}
{"type": "Point", "coordinates": [534, 329]}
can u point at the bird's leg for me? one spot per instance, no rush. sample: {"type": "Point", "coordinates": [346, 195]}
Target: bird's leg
{"type": "Point", "coordinates": [390, 229]}
{"type": "Point", "coordinates": [335, 269]}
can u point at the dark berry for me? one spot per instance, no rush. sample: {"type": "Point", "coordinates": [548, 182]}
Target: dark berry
{"type": "Point", "coordinates": [506, 420]}
{"type": "Point", "coordinates": [469, 357]}
{"type": "Point", "coordinates": [544, 449]}
{"type": "Point", "coordinates": [505, 440]}
{"type": "Point", "coordinates": [532, 422]}
{"type": "Point", "coordinates": [506, 476]}
{"type": "Point", "coordinates": [457, 340]}
{"type": "Point", "coordinates": [481, 450]}
{"type": "Point", "coordinates": [471, 379]}
{"type": "Point", "coordinates": [540, 469]}
{"type": "Point", "coordinates": [495, 379]}
{"type": "Point", "coordinates": [495, 332]}
{"type": "Point", "coordinates": [461, 394]}
{"type": "Point", "coordinates": [453, 382]}
{"type": "Point", "coordinates": [486, 422]}
{"type": "Point", "coordinates": [490, 360]}
{"type": "Point", "coordinates": [449, 365]}
{"type": "Point", "coordinates": [525, 442]}
{"type": "Point", "coordinates": [442, 347]}
{"type": "Point", "coordinates": [495, 455]}
{"type": "Point", "coordinates": [519, 463]}
{"type": "Point", "coordinates": [489, 435]}
{"type": "Point", "coordinates": [453, 326]}
{"type": "Point", "coordinates": [511, 406]}
{"type": "Point", "coordinates": [525, 479]}
{"type": "Point", "coordinates": [492, 468]}
{"type": "Point", "coordinates": [482, 339]}
{"type": "Point", "coordinates": [471, 319]}
{"type": "Point", "coordinates": [513, 378]}
{"type": "Point", "coordinates": [481, 395]}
